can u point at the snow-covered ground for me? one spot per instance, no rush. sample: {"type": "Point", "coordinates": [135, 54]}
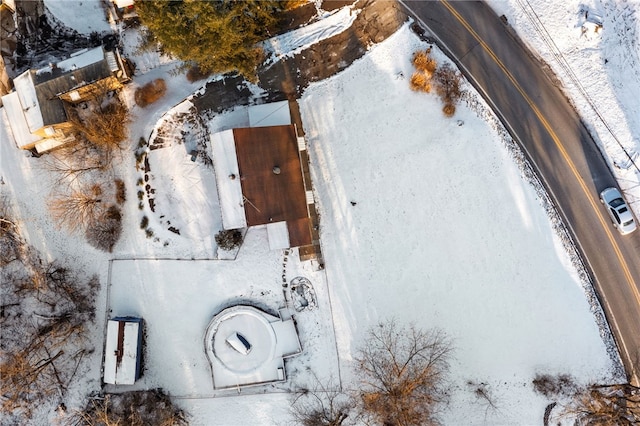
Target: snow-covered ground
{"type": "Point", "coordinates": [445, 233]}
{"type": "Point", "coordinates": [178, 299]}
{"type": "Point", "coordinates": [293, 42]}
{"type": "Point", "coordinates": [427, 241]}
{"type": "Point", "coordinates": [84, 16]}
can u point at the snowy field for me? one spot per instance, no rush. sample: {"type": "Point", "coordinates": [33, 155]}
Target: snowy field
{"type": "Point", "coordinates": [445, 232]}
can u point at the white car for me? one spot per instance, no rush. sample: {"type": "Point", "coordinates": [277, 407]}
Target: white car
{"type": "Point", "coordinates": [620, 213]}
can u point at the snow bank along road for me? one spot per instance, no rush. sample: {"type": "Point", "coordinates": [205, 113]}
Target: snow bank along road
{"type": "Point", "coordinates": [551, 133]}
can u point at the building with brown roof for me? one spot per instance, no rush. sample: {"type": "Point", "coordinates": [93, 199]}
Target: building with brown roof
{"type": "Point", "coordinates": [260, 182]}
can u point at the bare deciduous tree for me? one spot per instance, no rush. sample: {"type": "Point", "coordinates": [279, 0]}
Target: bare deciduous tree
{"type": "Point", "coordinates": [78, 209]}
{"type": "Point", "coordinates": [324, 404]}
{"type": "Point", "coordinates": [608, 405]}
{"type": "Point", "coordinates": [45, 312]}
{"type": "Point", "coordinates": [139, 408]}
{"type": "Point", "coordinates": [11, 244]}
{"type": "Point", "coordinates": [448, 83]}
{"type": "Point", "coordinates": [26, 377]}
{"type": "Point", "coordinates": [75, 160]}
{"type": "Point", "coordinates": [403, 370]}
{"type": "Point", "coordinates": [104, 122]}
{"type": "Point", "coordinates": [484, 396]}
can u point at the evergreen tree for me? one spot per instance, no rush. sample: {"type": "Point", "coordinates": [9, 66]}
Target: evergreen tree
{"type": "Point", "coordinates": [217, 35]}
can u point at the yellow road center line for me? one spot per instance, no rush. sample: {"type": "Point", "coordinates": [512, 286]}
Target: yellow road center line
{"type": "Point", "coordinates": [556, 140]}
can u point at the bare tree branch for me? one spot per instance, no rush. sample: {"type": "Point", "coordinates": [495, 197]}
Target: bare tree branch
{"type": "Point", "coordinates": [606, 405]}
{"type": "Point", "coordinates": [403, 370]}
{"type": "Point", "coordinates": [325, 404]}
{"type": "Point", "coordinates": [77, 210]}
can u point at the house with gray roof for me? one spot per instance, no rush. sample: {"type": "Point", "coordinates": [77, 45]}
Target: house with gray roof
{"type": "Point", "coordinates": [38, 108]}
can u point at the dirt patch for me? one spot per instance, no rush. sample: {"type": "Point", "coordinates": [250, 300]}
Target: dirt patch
{"type": "Point", "coordinates": [223, 94]}
{"type": "Point", "coordinates": [376, 21]}
{"type": "Point", "coordinates": [287, 78]}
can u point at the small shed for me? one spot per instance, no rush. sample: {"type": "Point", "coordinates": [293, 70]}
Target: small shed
{"type": "Point", "coordinates": [123, 351]}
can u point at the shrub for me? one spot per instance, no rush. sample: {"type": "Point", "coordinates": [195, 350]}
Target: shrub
{"type": "Point", "coordinates": [139, 154]}
{"type": "Point", "coordinates": [449, 109]}
{"type": "Point", "coordinates": [96, 189]}
{"type": "Point", "coordinates": [150, 92]}
{"type": "Point", "coordinates": [136, 408]}
{"type": "Point", "coordinates": [104, 232]}
{"type": "Point", "coordinates": [423, 61]}
{"type": "Point", "coordinates": [551, 386]}
{"type": "Point", "coordinates": [121, 193]}
{"type": "Point", "coordinates": [420, 82]}
{"type": "Point", "coordinates": [195, 73]}
{"type": "Point", "coordinates": [144, 222]}
{"type": "Point", "coordinates": [229, 239]}
{"type": "Point", "coordinates": [447, 84]}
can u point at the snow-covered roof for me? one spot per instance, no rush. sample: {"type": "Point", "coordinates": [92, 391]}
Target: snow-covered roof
{"type": "Point", "coordinates": [123, 3]}
{"type": "Point", "coordinates": [225, 164]}
{"type": "Point", "coordinates": [48, 144]}
{"type": "Point", "coordinates": [269, 337]}
{"type": "Point", "coordinates": [18, 123]}
{"type": "Point", "coordinates": [26, 90]}
{"type": "Point", "coordinates": [287, 342]}
{"type": "Point", "coordinates": [80, 59]}
{"type": "Point", "coordinates": [121, 352]}
{"type": "Point", "coordinates": [259, 176]}
{"type": "Point", "coordinates": [271, 114]}
{"type": "Point", "coordinates": [9, 3]}
{"type": "Point", "coordinates": [278, 235]}
{"type": "Point", "coordinates": [38, 90]}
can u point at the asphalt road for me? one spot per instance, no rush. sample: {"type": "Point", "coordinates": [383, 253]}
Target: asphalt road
{"type": "Point", "coordinates": [522, 91]}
